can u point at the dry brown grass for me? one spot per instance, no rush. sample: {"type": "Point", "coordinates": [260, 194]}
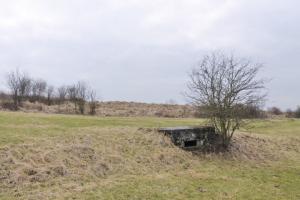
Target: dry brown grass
{"type": "Point", "coordinates": [257, 149]}
{"type": "Point", "coordinates": [126, 109]}
{"type": "Point", "coordinates": [75, 162]}
{"type": "Point", "coordinates": [118, 109]}
{"type": "Point", "coordinates": [78, 157]}
{"type": "Point", "coordinates": [95, 155]}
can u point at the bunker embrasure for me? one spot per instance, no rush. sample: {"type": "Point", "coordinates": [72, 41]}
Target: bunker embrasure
{"type": "Point", "coordinates": [191, 137]}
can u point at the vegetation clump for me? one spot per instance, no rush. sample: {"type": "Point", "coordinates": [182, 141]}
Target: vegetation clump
{"type": "Point", "coordinates": [22, 87]}
{"type": "Point", "coordinates": [225, 86]}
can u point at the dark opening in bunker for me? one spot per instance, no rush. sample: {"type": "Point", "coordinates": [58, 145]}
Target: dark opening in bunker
{"type": "Point", "coordinates": [191, 143]}
{"type": "Point", "coordinates": [191, 137]}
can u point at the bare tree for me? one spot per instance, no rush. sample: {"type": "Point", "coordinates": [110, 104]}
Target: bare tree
{"type": "Point", "coordinates": [50, 91]}
{"type": "Point", "coordinates": [72, 95]}
{"type": "Point", "coordinates": [38, 89]}
{"type": "Point", "coordinates": [12, 80]}
{"type": "Point", "coordinates": [275, 110]}
{"type": "Point", "coordinates": [33, 91]}
{"type": "Point", "coordinates": [92, 102]}
{"type": "Point", "coordinates": [24, 87]}
{"type": "Point", "coordinates": [62, 93]}
{"type": "Point", "coordinates": [19, 84]}
{"type": "Point", "coordinates": [222, 83]}
{"type": "Point", "coordinates": [82, 92]}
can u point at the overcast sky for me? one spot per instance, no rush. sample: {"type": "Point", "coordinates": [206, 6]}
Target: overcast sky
{"type": "Point", "coordinates": [141, 50]}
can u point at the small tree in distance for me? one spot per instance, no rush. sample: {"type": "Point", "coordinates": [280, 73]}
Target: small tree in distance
{"type": "Point", "coordinates": [62, 93]}
{"type": "Point", "coordinates": [223, 85]}
{"type": "Point", "coordinates": [50, 91]}
{"type": "Point", "coordinates": [92, 102]}
{"type": "Point", "coordinates": [275, 111]}
{"type": "Point", "coordinates": [24, 87]}
{"type": "Point", "coordinates": [12, 80]}
{"type": "Point", "coordinates": [39, 87]}
{"type": "Point", "coordinates": [82, 94]}
{"type": "Point", "coordinates": [19, 84]}
{"type": "Point", "coordinates": [72, 95]}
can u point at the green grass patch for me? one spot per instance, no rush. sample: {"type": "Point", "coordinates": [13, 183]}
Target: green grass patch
{"type": "Point", "coordinates": [141, 165]}
{"type": "Point", "coordinates": [18, 127]}
{"type": "Point", "coordinates": [230, 181]}
{"type": "Point", "coordinates": [273, 126]}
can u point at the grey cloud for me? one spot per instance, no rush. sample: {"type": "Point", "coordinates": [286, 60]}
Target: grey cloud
{"type": "Point", "coordinates": [142, 50]}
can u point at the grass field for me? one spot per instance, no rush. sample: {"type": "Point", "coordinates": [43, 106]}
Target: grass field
{"type": "Point", "coordinates": [77, 157]}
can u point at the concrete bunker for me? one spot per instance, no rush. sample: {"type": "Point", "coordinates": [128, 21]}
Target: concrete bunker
{"type": "Point", "coordinates": [191, 137]}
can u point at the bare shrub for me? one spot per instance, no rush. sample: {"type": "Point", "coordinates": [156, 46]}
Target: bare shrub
{"type": "Point", "coordinates": [50, 92]}
{"type": "Point", "coordinates": [8, 105]}
{"type": "Point", "coordinates": [38, 89]}
{"type": "Point", "coordinates": [24, 87]}
{"type": "Point", "coordinates": [92, 102]}
{"type": "Point", "coordinates": [19, 85]}
{"type": "Point", "coordinates": [62, 93]}
{"type": "Point", "coordinates": [275, 111]}
{"type": "Point", "coordinates": [72, 95]}
{"type": "Point", "coordinates": [222, 83]}
{"type": "Point", "coordinates": [78, 94]}
{"type": "Point", "coordinates": [82, 94]}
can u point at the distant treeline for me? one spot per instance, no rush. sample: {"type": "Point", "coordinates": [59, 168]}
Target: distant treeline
{"type": "Point", "coordinates": [288, 113]}
{"type": "Point", "coordinates": [245, 112]}
{"type": "Point", "coordinates": [23, 87]}
{"type": "Point", "coordinates": [252, 112]}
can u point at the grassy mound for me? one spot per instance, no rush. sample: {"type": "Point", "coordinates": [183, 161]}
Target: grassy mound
{"type": "Point", "coordinates": [73, 157]}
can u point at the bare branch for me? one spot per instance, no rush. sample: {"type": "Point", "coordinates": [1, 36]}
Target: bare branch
{"type": "Point", "coordinates": [224, 85]}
